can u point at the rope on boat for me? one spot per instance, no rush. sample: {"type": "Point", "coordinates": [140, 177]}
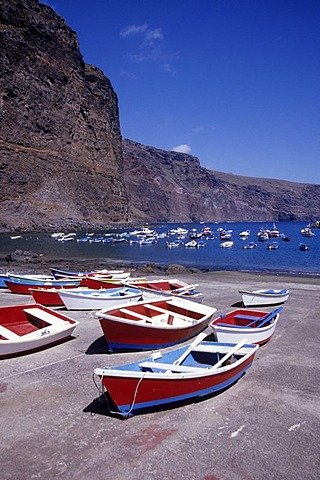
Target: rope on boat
{"type": "Point", "coordinates": [103, 395]}
{"type": "Point", "coordinates": [134, 396]}
{"type": "Point", "coordinates": [103, 391]}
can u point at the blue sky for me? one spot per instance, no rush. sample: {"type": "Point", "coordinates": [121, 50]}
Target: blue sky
{"type": "Point", "coordinates": [233, 82]}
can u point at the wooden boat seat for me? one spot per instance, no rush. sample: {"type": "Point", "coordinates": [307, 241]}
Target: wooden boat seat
{"type": "Point", "coordinates": [161, 319]}
{"type": "Point", "coordinates": [230, 325]}
{"type": "Point", "coordinates": [248, 317]}
{"type": "Point", "coordinates": [138, 316]}
{"type": "Point", "coordinates": [8, 334]}
{"type": "Point", "coordinates": [212, 349]}
{"type": "Point", "coordinates": [39, 314]}
{"type": "Point", "coordinates": [168, 366]}
{"type": "Point", "coordinates": [168, 312]}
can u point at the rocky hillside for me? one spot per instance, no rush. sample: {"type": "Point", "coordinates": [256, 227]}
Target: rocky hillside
{"type": "Point", "coordinates": [60, 146]}
{"type": "Point", "coordinates": [168, 186]}
{"type": "Point", "coordinates": [63, 164]}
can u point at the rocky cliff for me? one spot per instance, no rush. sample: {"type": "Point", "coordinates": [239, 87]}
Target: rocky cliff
{"type": "Point", "coordinates": [60, 146]}
{"type": "Point", "coordinates": [168, 186]}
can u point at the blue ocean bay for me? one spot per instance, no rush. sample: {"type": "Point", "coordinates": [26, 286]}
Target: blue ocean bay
{"type": "Point", "coordinates": [288, 258]}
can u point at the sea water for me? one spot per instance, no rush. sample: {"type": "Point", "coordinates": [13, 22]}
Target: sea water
{"type": "Point", "coordinates": [288, 258]}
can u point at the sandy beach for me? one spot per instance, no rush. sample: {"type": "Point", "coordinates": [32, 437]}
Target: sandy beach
{"type": "Point", "coordinates": [266, 426]}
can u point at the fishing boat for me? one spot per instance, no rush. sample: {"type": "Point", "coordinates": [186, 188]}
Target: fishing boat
{"type": "Point", "coordinates": [245, 234]}
{"type": "Point", "coordinates": [173, 244]}
{"type": "Point", "coordinates": [153, 324]}
{"type": "Point", "coordinates": [3, 277]}
{"type": "Point", "coordinates": [89, 299]}
{"type": "Point", "coordinates": [263, 297]}
{"type": "Point", "coordinates": [273, 246]}
{"type": "Point", "coordinates": [254, 325]}
{"type": "Point", "coordinates": [105, 273]}
{"type": "Point", "coordinates": [183, 374]}
{"type": "Point", "coordinates": [100, 282]}
{"type": "Point", "coordinates": [274, 233]}
{"type": "Point", "coordinates": [47, 296]}
{"type": "Point", "coordinates": [250, 245]}
{"type": "Point", "coordinates": [263, 236]}
{"type": "Point", "coordinates": [26, 328]}
{"type": "Point", "coordinates": [303, 247]}
{"type": "Point", "coordinates": [23, 288]}
{"type": "Point", "coordinates": [166, 288]}
{"type": "Point", "coordinates": [191, 244]}
{"type": "Point", "coordinates": [29, 278]}
{"type": "Point", "coordinates": [307, 232]}
{"type": "Point", "coordinates": [227, 244]}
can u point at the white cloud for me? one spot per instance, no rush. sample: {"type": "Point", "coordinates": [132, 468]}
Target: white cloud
{"type": "Point", "coordinates": [133, 30]}
{"type": "Point", "coordinates": [150, 43]}
{"type": "Point", "coordinates": [151, 36]}
{"type": "Point", "coordinates": [182, 148]}
{"type": "Point", "coordinates": [198, 129]}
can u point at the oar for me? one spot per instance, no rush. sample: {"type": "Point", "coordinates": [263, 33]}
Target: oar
{"type": "Point", "coordinates": [195, 342]}
{"type": "Point", "coordinates": [185, 288]}
{"type": "Point", "coordinates": [270, 316]}
{"type": "Point", "coordinates": [229, 354]}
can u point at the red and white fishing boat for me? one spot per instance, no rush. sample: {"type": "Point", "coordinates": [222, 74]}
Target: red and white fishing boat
{"type": "Point", "coordinates": [153, 324]}
{"type": "Point", "coordinates": [96, 282]}
{"type": "Point", "coordinates": [254, 325]}
{"type": "Point", "coordinates": [26, 328]}
{"type": "Point", "coordinates": [189, 372]}
{"type": "Point", "coordinates": [23, 288]}
{"type": "Point", "coordinates": [166, 288]}
{"type": "Point", "coordinates": [48, 296]}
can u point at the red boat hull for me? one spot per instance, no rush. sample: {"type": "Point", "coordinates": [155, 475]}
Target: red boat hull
{"type": "Point", "coordinates": [133, 394]}
{"type": "Point", "coordinates": [24, 289]}
{"type": "Point", "coordinates": [96, 283]}
{"type": "Point", "coordinates": [48, 297]}
{"type": "Point", "coordinates": [123, 336]}
{"type": "Point", "coordinates": [137, 327]}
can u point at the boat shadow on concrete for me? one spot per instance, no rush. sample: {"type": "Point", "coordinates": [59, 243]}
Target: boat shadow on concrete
{"type": "Point", "coordinates": [98, 346]}
{"type": "Point", "coordinates": [237, 305]}
{"type": "Point", "coordinates": [103, 405]}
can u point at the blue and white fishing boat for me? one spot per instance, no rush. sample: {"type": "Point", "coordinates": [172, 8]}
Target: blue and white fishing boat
{"type": "Point", "coordinates": [264, 297]}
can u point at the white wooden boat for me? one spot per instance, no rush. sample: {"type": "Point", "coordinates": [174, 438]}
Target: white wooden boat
{"type": "Point", "coordinates": [227, 244]}
{"type": "Point", "coordinates": [89, 299]}
{"type": "Point", "coordinates": [26, 328]}
{"type": "Point", "coordinates": [255, 325]}
{"type": "Point", "coordinates": [263, 297]}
